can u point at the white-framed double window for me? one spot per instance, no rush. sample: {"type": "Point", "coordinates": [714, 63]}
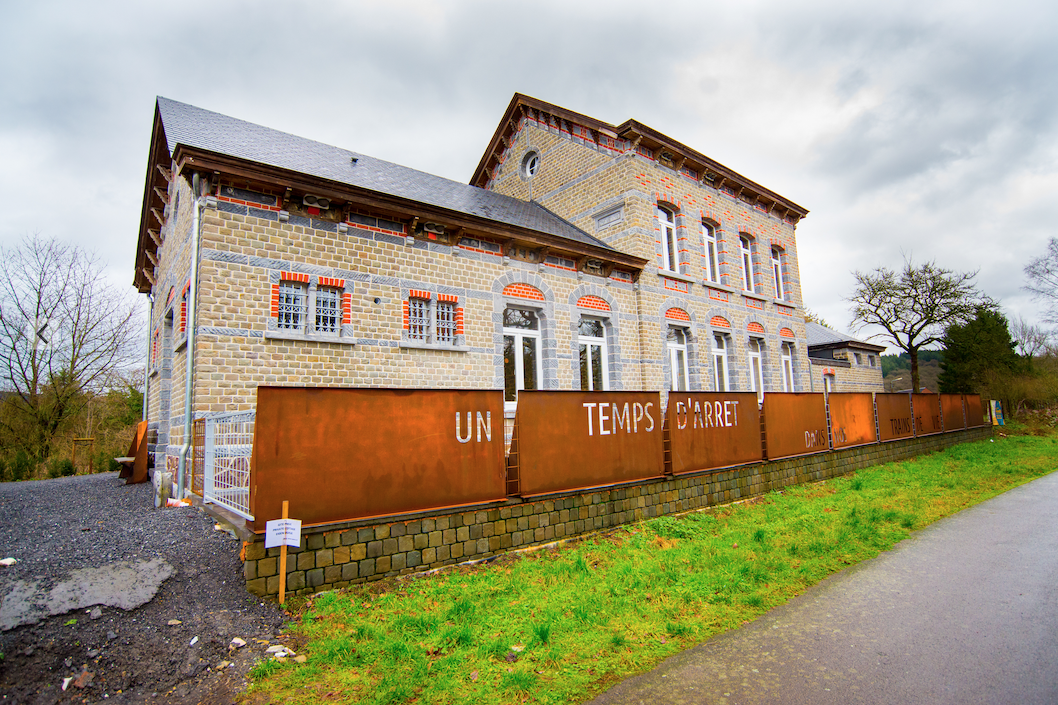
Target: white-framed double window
{"type": "Point", "coordinates": [776, 267]}
{"type": "Point", "coordinates": [295, 301]}
{"type": "Point", "coordinates": [712, 256]}
{"type": "Point", "coordinates": [720, 380]}
{"type": "Point", "coordinates": [756, 368]}
{"type": "Point", "coordinates": [521, 353]}
{"type": "Point", "coordinates": [670, 247]}
{"type": "Point", "coordinates": [594, 366]}
{"type": "Point", "coordinates": [432, 321]}
{"type": "Point", "coordinates": [676, 344]}
{"type": "Point", "coordinates": [745, 251]}
{"type": "Point", "coordinates": [787, 367]}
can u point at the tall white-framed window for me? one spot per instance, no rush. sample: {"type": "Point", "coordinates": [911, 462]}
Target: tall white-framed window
{"type": "Point", "coordinates": [670, 249]}
{"type": "Point", "coordinates": [712, 257]}
{"type": "Point", "coordinates": [521, 353]}
{"type": "Point", "coordinates": [828, 384]}
{"type": "Point", "coordinates": [676, 343]}
{"type": "Point", "coordinates": [745, 250]}
{"type": "Point", "coordinates": [594, 366]}
{"type": "Point", "coordinates": [293, 309]}
{"type": "Point", "coordinates": [787, 368]}
{"type": "Point", "coordinates": [720, 363]}
{"type": "Point", "coordinates": [756, 369]}
{"type": "Point", "coordinates": [776, 267]}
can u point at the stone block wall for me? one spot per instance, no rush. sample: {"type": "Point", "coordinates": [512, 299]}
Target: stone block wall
{"type": "Point", "coordinates": [354, 552]}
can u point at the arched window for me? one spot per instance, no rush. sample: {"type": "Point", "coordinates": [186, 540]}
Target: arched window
{"type": "Point", "coordinates": [720, 362]}
{"type": "Point", "coordinates": [670, 250]}
{"type": "Point", "coordinates": [787, 368]}
{"type": "Point", "coordinates": [712, 262]}
{"type": "Point", "coordinates": [521, 353]}
{"type": "Point", "coordinates": [756, 369]}
{"type": "Point", "coordinates": [677, 347]}
{"type": "Point", "coordinates": [594, 367]}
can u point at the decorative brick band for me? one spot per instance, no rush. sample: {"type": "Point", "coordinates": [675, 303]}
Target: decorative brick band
{"type": "Point", "coordinates": [406, 325]}
{"type": "Point", "coordinates": [754, 327]}
{"type": "Point", "coordinates": [332, 282]}
{"type": "Point", "coordinates": [753, 303]}
{"type": "Point", "coordinates": [786, 333]}
{"type": "Point", "coordinates": [719, 322]}
{"type": "Point", "coordinates": [294, 277]}
{"type": "Point", "coordinates": [593, 302]}
{"type": "Point", "coordinates": [784, 310]}
{"type": "Point", "coordinates": [459, 321]}
{"type": "Point", "coordinates": [523, 291]}
{"type": "Point", "coordinates": [717, 295]}
{"type": "Point", "coordinates": [448, 298]}
{"type": "Point", "coordinates": [347, 308]}
{"type": "Point", "coordinates": [419, 294]}
{"type": "Point", "coordinates": [675, 285]}
{"type": "Point", "coordinates": [678, 314]}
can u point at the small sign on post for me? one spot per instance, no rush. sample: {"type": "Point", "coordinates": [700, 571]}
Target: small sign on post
{"type": "Point", "coordinates": [283, 532]}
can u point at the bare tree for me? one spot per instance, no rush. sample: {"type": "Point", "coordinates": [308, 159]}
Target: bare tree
{"type": "Point", "coordinates": [63, 330]}
{"type": "Point", "coordinates": [1043, 279]}
{"type": "Point", "coordinates": [1030, 339]}
{"type": "Point", "coordinates": [915, 305]}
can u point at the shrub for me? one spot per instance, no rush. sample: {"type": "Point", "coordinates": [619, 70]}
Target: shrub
{"type": "Point", "coordinates": [61, 467]}
{"type": "Point", "coordinates": [21, 466]}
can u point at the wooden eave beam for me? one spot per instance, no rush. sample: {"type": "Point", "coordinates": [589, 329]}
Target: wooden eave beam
{"type": "Point", "coordinates": [401, 208]}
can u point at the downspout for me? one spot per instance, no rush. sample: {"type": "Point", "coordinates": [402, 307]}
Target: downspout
{"type": "Point", "coordinates": [147, 357]}
{"type": "Point", "coordinates": [189, 357]}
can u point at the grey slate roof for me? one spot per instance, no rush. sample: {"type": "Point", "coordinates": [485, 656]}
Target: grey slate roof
{"type": "Point", "coordinates": [194, 127]}
{"type": "Point", "coordinates": [821, 335]}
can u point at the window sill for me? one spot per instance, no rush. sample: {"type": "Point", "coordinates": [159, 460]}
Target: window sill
{"type": "Point", "coordinates": [783, 302]}
{"type": "Point", "coordinates": [415, 344]}
{"type": "Point", "coordinates": [719, 287]}
{"type": "Point", "coordinates": [676, 275]}
{"type": "Point", "coordinates": [307, 337]}
{"type": "Point", "coordinates": [751, 295]}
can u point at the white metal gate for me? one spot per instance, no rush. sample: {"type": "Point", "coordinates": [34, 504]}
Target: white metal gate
{"type": "Point", "coordinates": [229, 443]}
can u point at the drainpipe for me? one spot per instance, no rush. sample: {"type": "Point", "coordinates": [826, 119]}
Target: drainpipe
{"type": "Point", "coordinates": [192, 296]}
{"type": "Point", "coordinates": [147, 357]}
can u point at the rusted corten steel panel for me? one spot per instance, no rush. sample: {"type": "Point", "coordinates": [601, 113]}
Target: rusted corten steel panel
{"type": "Point", "coordinates": [894, 416]}
{"type": "Point", "coordinates": [577, 440]}
{"type": "Point", "coordinates": [709, 430]}
{"type": "Point", "coordinates": [975, 411]}
{"type": "Point", "coordinates": [852, 419]}
{"type": "Point", "coordinates": [954, 414]}
{"type": "Point", "coordinates": [795, 423]}
{"type": "Point", "coordinates": [341, 454]}
{"type": "Point", "coordinates": [926, 408]}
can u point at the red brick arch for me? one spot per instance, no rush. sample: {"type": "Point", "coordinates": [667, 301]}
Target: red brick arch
{"type": "Point", "coordinates": [593, 302]}
{"type": "Point", "coordinates": [523, 291]}
{"type": "Point", "coordinates": [719, 322]}
{"type": "Point", "coordinates": [678, 314]}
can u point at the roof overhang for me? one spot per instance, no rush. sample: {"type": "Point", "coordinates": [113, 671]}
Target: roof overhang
{"type": "Point", "coordinates": [712, 172]}
{"type": "Point", "coordinates": [214, 166]}
{"type": "Point", "coordinates": [155, 199]}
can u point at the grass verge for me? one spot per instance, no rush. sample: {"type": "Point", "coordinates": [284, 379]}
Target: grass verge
{"type": "Point", "coordinates": [561, 625]}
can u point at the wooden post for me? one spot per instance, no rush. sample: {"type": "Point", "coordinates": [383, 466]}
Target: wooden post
{"type": "Point", "coordinates": [283, 561]}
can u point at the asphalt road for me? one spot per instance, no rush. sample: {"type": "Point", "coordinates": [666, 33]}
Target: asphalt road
{"type": "Point", "coordinates": [964, 612]}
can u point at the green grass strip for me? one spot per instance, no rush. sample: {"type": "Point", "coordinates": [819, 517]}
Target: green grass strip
{"type": "Point", "coordinates": [559, 626]}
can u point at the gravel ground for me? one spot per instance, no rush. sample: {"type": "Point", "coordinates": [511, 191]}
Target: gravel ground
{"type": "Point", "coordinates": [56, 527]}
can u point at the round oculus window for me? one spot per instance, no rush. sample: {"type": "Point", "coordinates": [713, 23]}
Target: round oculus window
{"type": "Point", "coordinates": [530, 164]}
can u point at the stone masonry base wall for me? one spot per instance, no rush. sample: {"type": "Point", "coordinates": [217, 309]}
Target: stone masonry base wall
{"type": "Point", "coordinates": [337, 555]}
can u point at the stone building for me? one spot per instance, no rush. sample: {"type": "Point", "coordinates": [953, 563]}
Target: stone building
{"type": "Point", "coordinates": [582, 255]}
{"type": "Point", "coordinates": [841, 363]}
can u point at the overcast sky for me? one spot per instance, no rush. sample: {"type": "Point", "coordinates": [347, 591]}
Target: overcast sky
{"type": "Point", "coordinates": [926, 129]}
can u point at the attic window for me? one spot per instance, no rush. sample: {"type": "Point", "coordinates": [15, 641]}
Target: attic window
{"type": "Point", "coordinates": [530, 164]}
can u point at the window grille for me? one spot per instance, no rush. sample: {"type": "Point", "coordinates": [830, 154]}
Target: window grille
{"type": "Point", "coordinates": [293, 306]}
{"type": "Point", "coordinates": [328, 310]}
{"type": "Point", "coordinates": [418, 319]}
{"type": "Point", "coordinates": [446, 322]}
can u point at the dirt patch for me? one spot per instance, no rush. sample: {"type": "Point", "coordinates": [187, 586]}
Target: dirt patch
{"type": "Point", "coordinates": [174, 648]}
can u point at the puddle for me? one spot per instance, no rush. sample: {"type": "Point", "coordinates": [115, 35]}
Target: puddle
{"type": "Point", "coordinates": [124, 585]}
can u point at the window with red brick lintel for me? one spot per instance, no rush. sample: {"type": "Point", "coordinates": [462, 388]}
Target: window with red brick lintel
{"type": "Point", "coordinates": [670, 246]}
{"type": "Point", "coordinates": [432, 321]}
{"type": "Point", "coordinates": [309, 307]}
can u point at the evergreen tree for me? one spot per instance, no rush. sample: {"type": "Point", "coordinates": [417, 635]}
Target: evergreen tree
{"type": "Point", "coordinates": [974, 350]}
